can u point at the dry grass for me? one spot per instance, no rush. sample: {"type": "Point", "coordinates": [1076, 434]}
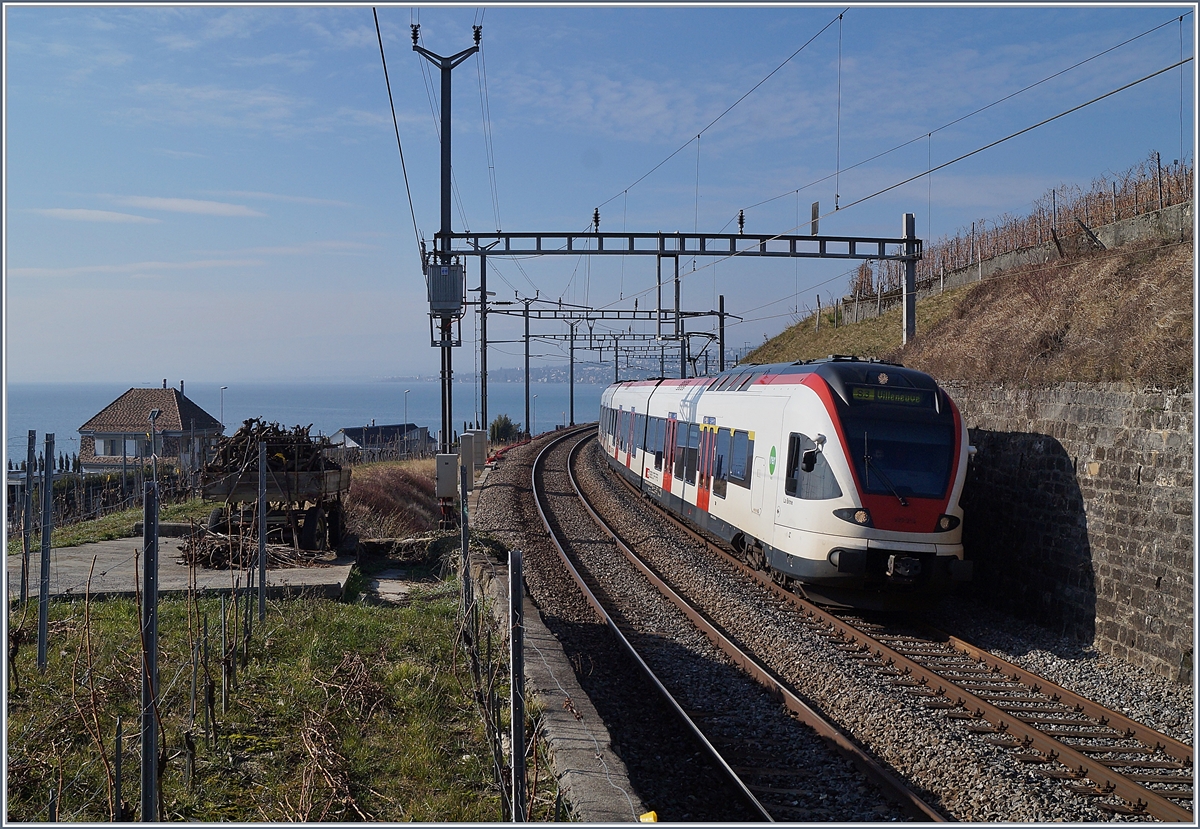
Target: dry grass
{"type": "Point", "coordinates": [392, 499]}
{"type": "Point", "coordinates": [870, 338]}
{"type": "Point", "coordinates": [1123, 316]}
{"type": "Point", "coordinates": [1112, 316]}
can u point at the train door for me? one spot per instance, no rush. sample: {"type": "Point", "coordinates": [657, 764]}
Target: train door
{"type": "Point", "coordinates": [669, 453]}
{"type": "Point", "coordinates": [708, 434]}
{"type": "Point", "coordinates": [759, 488]}
{"type": "Point", "coordinates": [629, 437]}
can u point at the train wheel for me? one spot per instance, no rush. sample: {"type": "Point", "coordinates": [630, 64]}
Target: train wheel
{"type": "Point", "coordinates": [756, 558]}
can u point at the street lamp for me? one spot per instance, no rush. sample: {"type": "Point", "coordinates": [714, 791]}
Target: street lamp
{"type": "Point", "coordinates": [406, 391]}
{"type": "Point", "coordinates": [223, 407]}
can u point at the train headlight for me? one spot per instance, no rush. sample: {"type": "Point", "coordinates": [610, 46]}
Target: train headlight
{"type": "Point", "coordinates": [945, 523]}
{"type": "Point", "coordinates": [855, 515]}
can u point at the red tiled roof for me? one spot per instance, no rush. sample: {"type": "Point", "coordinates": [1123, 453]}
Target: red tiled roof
{"type": "Point", "coordinates": [131, 413]}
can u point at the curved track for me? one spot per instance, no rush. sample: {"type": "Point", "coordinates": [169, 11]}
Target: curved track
{"type": "Point", "coordinates": [1129, 767]}
{"type": "Point", "coordinates": [751, 749]}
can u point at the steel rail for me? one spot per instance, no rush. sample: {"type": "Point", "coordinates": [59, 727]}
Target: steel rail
{"type": "Point", "coordinates": [826, 729]}
{"type": "Point", "coordinates": [1079, 763]}
{"type": "Point", "coordinates": [1113, 719]}
{"type": "Point", "coordinates": [604, 616]}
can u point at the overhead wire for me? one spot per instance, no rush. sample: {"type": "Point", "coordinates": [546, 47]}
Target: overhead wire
{"type": "Point", "coordinates": [966, 155]}
{"type": "Point", "coordinates": [396, 126]}
{"type": "Point", "coordinates": [964, 117]}
{"type": "Point", "coordinates": [726, 111]}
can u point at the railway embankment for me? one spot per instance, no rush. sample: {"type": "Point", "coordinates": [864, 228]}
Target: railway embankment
{"type": "Point", "coordinates": [1076, 380]}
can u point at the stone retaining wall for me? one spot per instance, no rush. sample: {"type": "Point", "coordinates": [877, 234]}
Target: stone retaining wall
{"type": "Point", "coordinates": [1079, 514]}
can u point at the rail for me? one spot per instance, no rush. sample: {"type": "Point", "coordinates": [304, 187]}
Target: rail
{"type": "Point", "coordinates": [827, 730]}
{"type": "Point", "coordinates": [604, 616]}
{"type": "Point", "coordinates": [1011, 730]}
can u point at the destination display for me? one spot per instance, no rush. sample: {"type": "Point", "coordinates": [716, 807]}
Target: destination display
{"type": "Point", "coordinates": [920, 398]}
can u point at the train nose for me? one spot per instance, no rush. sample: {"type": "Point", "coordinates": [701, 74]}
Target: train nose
{"type": "Point", "coordinates": [903, 567]}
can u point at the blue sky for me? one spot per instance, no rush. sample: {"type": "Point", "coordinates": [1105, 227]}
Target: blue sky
{"type": "Point", "coordinates": [215, 193]}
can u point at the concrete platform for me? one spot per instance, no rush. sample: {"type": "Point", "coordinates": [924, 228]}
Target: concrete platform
{"type": "Point", "coordinates": [592, 776]}
{"type": "Point", "coordinates": [118, 568]}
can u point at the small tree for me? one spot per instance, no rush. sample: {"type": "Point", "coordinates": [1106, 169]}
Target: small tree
{"type": "Point", "coordinates": [503, 430]}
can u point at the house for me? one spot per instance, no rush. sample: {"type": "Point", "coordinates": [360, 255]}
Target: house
{"type": "Point", "coordinates": [405, 438]}
{"type": "Point", "coordinates": [121, 433]}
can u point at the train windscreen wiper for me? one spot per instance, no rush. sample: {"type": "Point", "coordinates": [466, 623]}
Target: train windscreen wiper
{"type": "Point", "coordinates": [871, 465]}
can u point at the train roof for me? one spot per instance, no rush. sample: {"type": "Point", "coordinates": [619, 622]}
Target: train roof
{"type": "Point", "coordinates": [836, 368]}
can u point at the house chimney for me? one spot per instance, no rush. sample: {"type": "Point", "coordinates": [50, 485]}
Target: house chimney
{"type": "Point", "coordinates": [164, 382]}
{"type": "Point", "coordinates": [181, 387]}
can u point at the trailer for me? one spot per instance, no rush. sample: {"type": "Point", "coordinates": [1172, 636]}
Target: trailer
{"type": "Point", "coordinates": [304, 488]}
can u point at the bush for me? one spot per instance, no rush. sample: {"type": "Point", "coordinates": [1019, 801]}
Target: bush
{"type": "Point", "coordinates": [503, 430]}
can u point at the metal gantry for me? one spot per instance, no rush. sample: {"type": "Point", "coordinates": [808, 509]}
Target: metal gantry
{"type": "Point", "coordinates": [445, 271]}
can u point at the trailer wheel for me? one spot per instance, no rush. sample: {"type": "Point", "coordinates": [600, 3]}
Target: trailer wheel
{"type": "Point", "coordinates": [334, 520]}
{"type": "Point", "coordinates": [313, 534]}
{"type": "Point", "coordinates": [216, 520]}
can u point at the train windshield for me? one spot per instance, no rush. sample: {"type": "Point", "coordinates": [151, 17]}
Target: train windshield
{"type": "Point", "coordinates": [899, 457]}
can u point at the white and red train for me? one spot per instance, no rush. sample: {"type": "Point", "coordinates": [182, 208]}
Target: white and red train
{"type": "Point", "coordinates": [841, 475]}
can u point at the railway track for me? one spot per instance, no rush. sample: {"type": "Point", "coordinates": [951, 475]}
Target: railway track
{"type": "Point", "coordinates": [1126, 768]}
{"type": "Point", "coordinates": [746, 735]}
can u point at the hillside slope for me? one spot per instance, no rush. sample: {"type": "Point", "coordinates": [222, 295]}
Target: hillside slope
{"type": "Point", "coordinates": [1124, 315]}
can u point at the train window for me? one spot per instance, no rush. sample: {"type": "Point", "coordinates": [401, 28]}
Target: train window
{"type": "Point", "coordinates": [902, 458]}
{"type": "Point", "coordinates": [654, 440]}
{"type": "Point", "coordinates": [720, 462]}
{"type": "Point", "coordinates": [748, 381]}
{"type": "Point", "coordinates": [681, 436]}
{"type": "Point", "coordinates": [816, 484]}
{"type": "Point", "coordinates": [739, 458]}
{"type": "Point", "coordinates": [669, 445]}
{"type": "Point", "coordinates": [693, 452]}
{"type": "Point", "coordinates": [736, 381]}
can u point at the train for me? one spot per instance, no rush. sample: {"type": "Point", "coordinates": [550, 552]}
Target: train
{"type": "Point", "coordinates": [841, 476]}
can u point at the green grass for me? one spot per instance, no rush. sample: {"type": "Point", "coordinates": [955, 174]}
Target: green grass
{"type": "Point", "coordinates": [343, 712]}
{"type": "Point", "coordinates": [117, 525]}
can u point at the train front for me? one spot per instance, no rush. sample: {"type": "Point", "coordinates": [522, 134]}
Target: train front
{"type": "Point", "coordinates": [895, 538]}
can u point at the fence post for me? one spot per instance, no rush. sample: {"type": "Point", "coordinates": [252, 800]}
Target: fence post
{"type": "Point", "coordinates": [467, 593]}
{"type": "Point", "coordinates": [262, 531]}
{"type": "Point", "coordinates": [149, 807]}
{"type": "Point", "coordinates": [1158, 178]}
{"type": "Point", "coordinates": [47, 529]}
{"type": "Point", "coordinates": [30, 463]}
{"type": "Point", "coordinates": [516, 661]}
{"type": "Point", "coordinates": [118, 813]}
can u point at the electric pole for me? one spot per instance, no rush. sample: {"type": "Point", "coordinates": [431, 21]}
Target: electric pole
{"type": "Point", "coordinates": [445, 277]}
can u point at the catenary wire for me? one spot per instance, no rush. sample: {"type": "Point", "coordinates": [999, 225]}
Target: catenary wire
{"type": "Point", "coordinates": [726, 112]}
{"type": "Point", "coordinates": [961, 118]}
{"type": "Point", "coordinates": [396, 126]}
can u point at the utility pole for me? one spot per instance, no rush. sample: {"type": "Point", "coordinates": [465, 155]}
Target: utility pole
{"type": "Point", "coordinates": [910, 279]}
{"type": "Point", "coordinates": [721, 331]}
{"type": "Point", "coordinates": [571, 372]}
{"type": "Point", "coordinates": [527, 301]}
{"type": "Point", "coordinates": [442, 290]}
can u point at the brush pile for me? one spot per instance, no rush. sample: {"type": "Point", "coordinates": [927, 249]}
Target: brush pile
{"type": "Point", "coordinates": [215, 551]}
{"type": "Point", "coordinates": [287, 451]}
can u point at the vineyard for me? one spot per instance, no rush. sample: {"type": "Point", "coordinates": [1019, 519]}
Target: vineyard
{"type": "Point", "coordinates": [1058, 216]}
